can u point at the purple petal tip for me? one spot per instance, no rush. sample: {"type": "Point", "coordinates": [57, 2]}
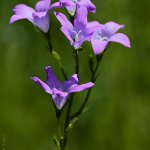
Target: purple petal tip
{"type": "Point", "coordinates": [91, 84]}
{"type": "Point", "coordinates": [75, 76]}
{"type": "Point", "coordinates": [56, 13]}
{"type": "Point", "coordinates": [34, 79]}
{"type": "Point", "coordinates": [47, 67]}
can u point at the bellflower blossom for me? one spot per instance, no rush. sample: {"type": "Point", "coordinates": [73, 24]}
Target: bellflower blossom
{"type": "Point", "coordinates": [108, 33]}
{"type": "Point", "coordinates": [38, 16]}
{"type": "Point", "coordinates": [72, 5]}
{"type": "Point", "coordinates": [81, 30]}
{"type": "Point", "coordinates": [60, 91]}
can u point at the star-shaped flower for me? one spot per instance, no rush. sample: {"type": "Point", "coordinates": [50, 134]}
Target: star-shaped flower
{"type": "Point", "coordinates": [58, 90]}
{"type": "Point", "coordinates": [81, 30]}
{"type": "Point", "coordinates": [107, 33]}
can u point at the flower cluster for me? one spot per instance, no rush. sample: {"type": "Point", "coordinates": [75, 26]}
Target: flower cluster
{"type": "Point", "coordinates": [77, 30]}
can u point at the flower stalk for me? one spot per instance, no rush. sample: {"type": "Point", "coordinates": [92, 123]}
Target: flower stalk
{"type": "Point", "coordinates": [76, 57]}
{"type": "Point", "coordinates": [77, 30]}
{"type": "Point", "coordinates": [67, 121]}
{"type": "Point", "coordinates": [55, 55]}
{"type": "Point", "coordinates": [93, 79]}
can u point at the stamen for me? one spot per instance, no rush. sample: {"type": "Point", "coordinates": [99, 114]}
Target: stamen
{"type": "Point", "coordinates": [77, 36]}
{"type": "Point", "coordinates": [74, 1]}
{"type": "Point", "coordinates": [100, 35]}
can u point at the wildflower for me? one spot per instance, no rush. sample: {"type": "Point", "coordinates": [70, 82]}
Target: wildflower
{"type": "Point", "coordinates": [108, 33]}
{"type": "Point", "coordinates": [80, 31]}
{"type": "Point", "coordinates": [38, 16]}
{"type": "Point", "coordinates": [60, 91]}
{"type": "Point", "coordinates": [72, 5]}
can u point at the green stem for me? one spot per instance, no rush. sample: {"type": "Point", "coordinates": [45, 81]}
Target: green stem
{"type": "Point", "coordinates": [67, 120]}
{"type": "Point", "coordinates": [93, 79]}
{"type": "Point", "coordinates": [58, 127]}
{"type": "Point", "coordinates": [48, 38]}
{"type": "Point", "coordinates": [59, 139]}
{"type": "Point", "coordinates": [75, 54]}
{"type": "Point", "coordinates": [76, 57]}
{"type": "Point", "coordinates": [50, 48]}
{"type": "Point", "coordinates": [61, 146]}
{"type": "Point", "coordinates": [63, 73]}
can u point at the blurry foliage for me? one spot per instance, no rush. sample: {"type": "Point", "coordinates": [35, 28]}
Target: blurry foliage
{"type": "Point", "coordinates": [118, 117]}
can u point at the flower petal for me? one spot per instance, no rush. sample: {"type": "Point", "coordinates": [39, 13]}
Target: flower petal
{"type": "Point", "coordinates": [59, 98]}
{"type": "Point", "coordinates": [98, 46]}
{"type": "Point", "coordinates": [22, 11]}
{"type": "Point", "coordinates": [67, 34]}
{"type": "Point", "coordinates": [80, 21]}
{"type": "Point", "coordinates": [64, 21]}
{"type": "Point", "coordinates": [41, 20]}
{"type": "Point", "coordinates": [15, 18]}
{"type": "Point", "coordinates": [113, 27]}
{"type": "Point", "coordinates": [42, 5]}
{"type": "Point", "coordinates": [79, 44]}
{"type": "Point", "coordinates": [120, 38]}
{"type": "Point", "coordinates": [43, 85]}
{"type": "Point", "coordinates": [71, 82]}
{"type": "Point", "coordinates": [66, 2]}
{"type": "Point", "coordinates": [67, 27]}
{"type": "Point", "coordinates": [52, 80]}
{"type": "Point", "coordinates": [92, 27]}
{"type": "Point", "coordinates": [71, 9]}
{"type": "Point", "coordinates": [56, 5]}
{"type": "Point", "coordinates": [88, 4]}
{"type": "Point", "coordinates": [81, 87]}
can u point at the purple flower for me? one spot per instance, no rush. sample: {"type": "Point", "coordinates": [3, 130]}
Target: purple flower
{"type": "Point", "coordinates": [60, 91]}
{"type": "Point", "coordinates": [80, 31]}
{"type": "Point", "coordinates": [38, 16]}
{"type": "Point", "coordinates": [72, 5]}
{"type": "Point", "coordinates": [108, 33]}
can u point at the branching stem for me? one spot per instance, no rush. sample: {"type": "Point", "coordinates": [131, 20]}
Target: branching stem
{"type": "Point", "coordinates": [93, 79]}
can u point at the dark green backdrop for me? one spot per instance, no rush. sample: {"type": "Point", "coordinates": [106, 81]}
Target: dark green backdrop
{"type": "Point", "coordinates": [119, 108]}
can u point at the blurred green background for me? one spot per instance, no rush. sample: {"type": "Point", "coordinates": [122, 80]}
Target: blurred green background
{"type": "Point", "coordinates": [118, 117]}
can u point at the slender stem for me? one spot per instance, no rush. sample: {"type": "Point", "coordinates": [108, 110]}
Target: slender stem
{"type": "Point", "coordinates": [93, 79]}
{"type": "Point", "coordinates": [48, 38]}
{"type": "Point", "coordinates": [50, 48]}
{"type": "Point", "coordinates": [67, 119]}
{"type": "Point", "coordinates": [75, 54]}
{"type": "Point", "coordinates": [68, 112]}
{"type": "Point", "coordinates": [58, 116]}
{"type": "Point", "coordinates": [76, 57]}
{"type": "Point", "coordinates": [58, 127]}
{"type": "Point", "coordinates": [63, 73]}
{"type": "Point", "coordinates": [61, 147]}
{"type": "Point", "coordinates": [95, 71]}
{"type": "Point", "coordinates": [83, 105]}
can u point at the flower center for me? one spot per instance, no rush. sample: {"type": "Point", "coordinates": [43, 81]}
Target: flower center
{"type": "Point", "coordinates": [75, 1]}
{"type": "Point", "coordinates": [101, 35]}
{"type": "Point", "coordinates": [77, 36]}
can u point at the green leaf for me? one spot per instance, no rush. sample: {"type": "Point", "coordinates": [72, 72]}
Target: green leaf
{"type": "Point", "coordinates": [84, 110]}
{"type": "Point", "coordinates": [56, 141]}
{"type": "Point", "coordinates": [57, 57]}
{"type": "Point", "coordinates": [71, 124]}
